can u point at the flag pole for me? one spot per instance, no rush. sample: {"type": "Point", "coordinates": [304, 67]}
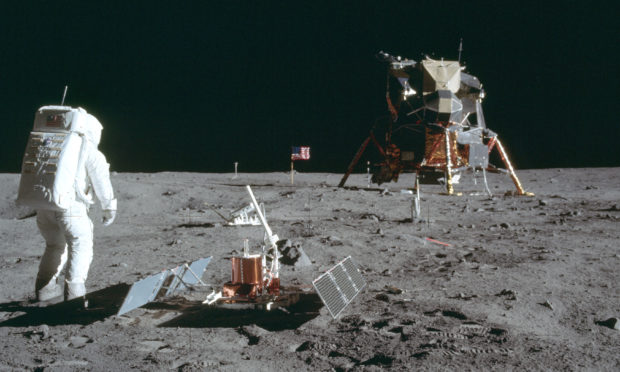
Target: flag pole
{"type": "Point", "coordinates": [292, 170]}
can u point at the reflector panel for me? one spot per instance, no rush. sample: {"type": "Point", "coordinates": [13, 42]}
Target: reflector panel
{"type": "Point", "coordinates": [169, 282]}
{"type": "Point", "coordinates": [184, 277]}
{"type": "Point", "coordinates": [142, 292]}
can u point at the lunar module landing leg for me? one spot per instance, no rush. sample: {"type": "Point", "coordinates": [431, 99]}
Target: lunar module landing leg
{"type": "Point", "coordinates": [511, 171]}
{"type": "Point", "coordinates": [359, 154]}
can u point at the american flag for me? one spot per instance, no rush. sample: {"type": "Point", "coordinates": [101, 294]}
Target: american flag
{"type": "Point", "coordinates": [55, 121]}
{"type": "Point", "coordinates": [300, 153]}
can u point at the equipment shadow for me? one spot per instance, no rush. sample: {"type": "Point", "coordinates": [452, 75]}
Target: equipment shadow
{"type": "Point", "coordinates": [101, 304]}
{"type": "Point", "coordinates": [203, 316]}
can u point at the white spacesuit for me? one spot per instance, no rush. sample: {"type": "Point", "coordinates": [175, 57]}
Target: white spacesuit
{"type": "Point", "coordinates": [68, 231]}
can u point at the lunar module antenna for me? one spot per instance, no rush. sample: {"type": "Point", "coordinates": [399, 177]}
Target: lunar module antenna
{"type": "Point", "coordinates": [64, 95]}
{"type": "Point", "coordinates": [460, 49]}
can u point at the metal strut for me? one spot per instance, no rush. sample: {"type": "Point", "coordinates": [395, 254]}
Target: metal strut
{"type": "Point", "coordinates": [449, 187]}
{"type": "Point", "coordinates": [511, 170]}
{"type": "Point", "coordinates": [358, 155]}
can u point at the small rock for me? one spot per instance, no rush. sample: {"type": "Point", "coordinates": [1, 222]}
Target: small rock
{"type": "Point", "coordinates": [379, 232]}
{"type": "Point", "coordinates": [334, 241]}
{"type": "Point", "coordinates": [612, 323]}
{"type": "Point", "coordinates": [307, 345]}
{"type": "Point", "coordinates": [295, 255]}
{"type": "Point", "coordinates": [45, 331]}
{"type": "Point", "coordinates": [370, 216]}
{"type": "Point", "coordinates": [284, 243]}
{"type": "Point", "coordinates": [542, 202]}
{"type": "Point", "coordinates": [386, 272]}
{"type": "Point", "coordinates": [79, 341]}
{"type": "Point", "coordinates": [386, 192]}
{"type": "Point", "coordinates": [463, 296]}
{"type": "Point", "coordinates": [547, 304]}
{"type": "Point", "coordinates": [393, 290]}
{"type": "Point", "coordinates": [253, 332]}
{"type": "Point", "coordinates": [509, 293]}
{"type": "Point", "coordinates": [504, 225]}
{"type": "Point", "coordinates": [382, 297]}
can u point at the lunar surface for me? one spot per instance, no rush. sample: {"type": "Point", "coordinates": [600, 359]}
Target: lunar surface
{"type": "Point", "coordinates": [477, 282]}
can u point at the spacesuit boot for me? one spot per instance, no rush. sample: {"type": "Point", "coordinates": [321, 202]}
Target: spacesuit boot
{"type": "Point", "coordinates": [74, 290]}
{"type": "Point", "coordinates": [49, 291]}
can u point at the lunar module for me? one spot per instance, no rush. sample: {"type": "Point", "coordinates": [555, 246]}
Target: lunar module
{"type": "Point", "coordinates": [436, 126]}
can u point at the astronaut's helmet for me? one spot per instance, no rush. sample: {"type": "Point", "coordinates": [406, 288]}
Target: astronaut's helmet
{"type": "Point", "coordinates": [92, 129]}
{"type": "Point", "coordinates": [87, 125]}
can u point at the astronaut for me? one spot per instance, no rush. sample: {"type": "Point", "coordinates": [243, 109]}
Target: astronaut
{"type": "Point", "coordinates": [68, 233]}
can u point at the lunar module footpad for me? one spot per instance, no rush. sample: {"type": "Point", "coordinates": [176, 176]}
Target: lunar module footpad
{"type": "Point", "coordinates": [339, 286]}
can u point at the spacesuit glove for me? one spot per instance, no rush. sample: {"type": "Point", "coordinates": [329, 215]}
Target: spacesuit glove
{"type": "Point", "coordinates": [108, 216]}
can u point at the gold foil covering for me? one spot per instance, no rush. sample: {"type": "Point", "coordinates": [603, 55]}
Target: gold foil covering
{"type": "Point", "coordinates": [247, 270]}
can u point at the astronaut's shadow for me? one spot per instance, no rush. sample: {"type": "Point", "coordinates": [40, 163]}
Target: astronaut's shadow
{"type": "Point", "coordinates": [101, 304]}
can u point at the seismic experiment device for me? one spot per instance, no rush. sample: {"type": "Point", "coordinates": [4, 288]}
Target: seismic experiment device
{"type": "Point", "coordinates": [255, 278]}
{"type": "Point", "coordinates": [254, 281]}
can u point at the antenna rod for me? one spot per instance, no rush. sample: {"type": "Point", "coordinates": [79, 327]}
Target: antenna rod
{"type": "Point", "coordinates": [64, 95]}
{"type": "Point", "coordinates": [460, 49]}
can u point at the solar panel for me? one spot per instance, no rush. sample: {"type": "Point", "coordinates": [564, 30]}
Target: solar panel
{"type": "Point", "coordinates": [342, 280]}
{"type": "Point", "coordinates": [339, 286]}
{"type": "Point", "coordinates": [354, 274]}
{"type": "Point", "coordinates": [330, 294]}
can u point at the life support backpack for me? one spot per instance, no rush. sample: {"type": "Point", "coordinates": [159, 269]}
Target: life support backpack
{"type": "Point", "coordinates": [53, 156]}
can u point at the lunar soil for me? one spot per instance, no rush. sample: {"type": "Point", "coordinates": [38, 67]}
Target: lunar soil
{"type": "Point", "coordinates": [478, 282]}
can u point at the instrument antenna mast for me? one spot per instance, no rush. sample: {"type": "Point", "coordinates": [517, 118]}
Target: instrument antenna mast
{"type": "Point", "coordinates": [64, 95]}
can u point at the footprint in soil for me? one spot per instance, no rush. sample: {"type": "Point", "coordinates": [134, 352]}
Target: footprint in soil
{"type": "Point", "coordinates": [448, 313]}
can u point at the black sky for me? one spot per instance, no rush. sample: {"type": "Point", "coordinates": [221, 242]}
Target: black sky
{"type": "Point", "coordinates": [200, 85]}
